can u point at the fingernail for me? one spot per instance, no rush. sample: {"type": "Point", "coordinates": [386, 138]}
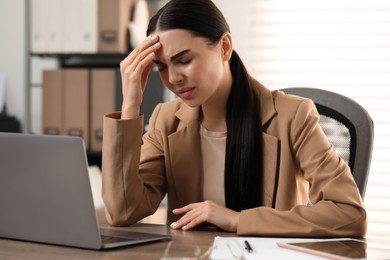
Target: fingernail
{"type": "Point", "coordinates": [184, 227]}
{"type": "Point", "coordinates": [174, 210]}
{"type": "Point", "coordinates": [153, 37]}
{"type": "Point", "coordinates": [173, 225]}
{"type": "Point", "coordinates": [157, 44]}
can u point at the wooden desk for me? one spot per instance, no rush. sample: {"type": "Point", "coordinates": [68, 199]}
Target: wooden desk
{"type": "Point", "coordinates": [181, 241]}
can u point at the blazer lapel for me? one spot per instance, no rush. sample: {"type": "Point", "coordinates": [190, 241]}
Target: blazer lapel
{"type": "Point", "coordinates": [185, 157]}
{"type": "Point", "coordinates": [270, 170]}
{"type": "Point", "coordinates": [270, 144]}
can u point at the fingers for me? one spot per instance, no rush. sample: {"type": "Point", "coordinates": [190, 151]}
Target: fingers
{"type": "Point", "coordinates": [144, 49]}
{"type": "Point", "coordinates": [135, 69]}
{"type": "Point", "coordinates": [206, 212]}
{"type": "Point", "coordinates": [144, 59]}
{"type": "Point", "coordinates": [137, 65]}
{"type": "Point", "coordinates": [194, 215]}
{"type": "Point", "coordinates": [183, 210]}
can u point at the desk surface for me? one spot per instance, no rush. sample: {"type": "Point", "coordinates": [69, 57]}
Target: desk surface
{"type": "Point", "coordinates": [181, 241]}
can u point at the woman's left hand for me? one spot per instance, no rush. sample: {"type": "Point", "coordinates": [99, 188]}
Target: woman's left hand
{"type": "Point", "coordinates": [208, 212]}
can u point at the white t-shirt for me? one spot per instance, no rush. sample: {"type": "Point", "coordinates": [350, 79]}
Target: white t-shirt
{"type": "Point", "coordinates": [213, 146]}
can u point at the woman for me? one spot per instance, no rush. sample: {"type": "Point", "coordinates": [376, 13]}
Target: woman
{"type": "Point", "coordinates": [228, 152]}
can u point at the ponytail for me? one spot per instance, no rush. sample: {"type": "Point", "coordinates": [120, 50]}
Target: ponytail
{"type": "Point", "coordinates": [244, 158]}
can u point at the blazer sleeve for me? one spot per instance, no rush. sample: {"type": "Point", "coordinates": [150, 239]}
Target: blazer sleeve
{"type": "Point", "coordinates": [130, 191]}
{"type": "Point", "coordinates": [337, 209]}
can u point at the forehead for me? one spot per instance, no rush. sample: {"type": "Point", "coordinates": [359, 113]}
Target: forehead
{"type": "Point", "coordinates": [175, 41]}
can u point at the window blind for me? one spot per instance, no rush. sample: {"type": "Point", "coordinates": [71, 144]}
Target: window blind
{"type": "Point", "coordinates": [338, 45]}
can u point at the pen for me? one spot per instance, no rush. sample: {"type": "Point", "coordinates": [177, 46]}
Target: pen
{"type": "Point", "coordinates": [248, 246]}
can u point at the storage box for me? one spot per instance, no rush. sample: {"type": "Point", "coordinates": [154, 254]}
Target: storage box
{"type": "Point", "coordinates": [53, 102]}
{"type": "Point", "coordinates": [113, 19]}
{"type": "Point", "coordinates": [103, 87]}
{"type": "Point", "coordinates": [76, 96]}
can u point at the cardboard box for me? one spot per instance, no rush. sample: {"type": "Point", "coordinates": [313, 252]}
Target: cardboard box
{"type": "Point", "coordinates": [53, 103]}
{"type": "Point", "coordinates": [113, 19]}
{"type": "Point", "coordinates": [77, 105]}
{"type": "Point", "coordinates": [103, 88]}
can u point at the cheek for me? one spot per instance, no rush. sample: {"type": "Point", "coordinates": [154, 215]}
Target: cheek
{"type": "Point", "coordinates": [202, 72]}
{"type": "Point", "coordinates": [195, 73]}
{"type": "Point", "coordinates": [210, 71]}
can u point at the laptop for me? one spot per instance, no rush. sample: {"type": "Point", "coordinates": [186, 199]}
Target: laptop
{"type": "Point", "coordinates": [46, 197]}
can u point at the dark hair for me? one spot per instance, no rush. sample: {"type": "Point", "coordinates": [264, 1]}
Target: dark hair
{"type": "Point", "coordinates": [243, 159]}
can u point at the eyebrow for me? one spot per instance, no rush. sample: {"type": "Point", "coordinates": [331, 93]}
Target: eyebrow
{"type": "Point", "coordinates": [174, 57]}
{"type": "Point", "coordinates": [178, 55]}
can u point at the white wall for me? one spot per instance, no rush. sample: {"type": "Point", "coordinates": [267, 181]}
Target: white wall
{"type": "Point", "coordinates": [236, 14]}
{"type": "Point", "coordinates": [13, 54]}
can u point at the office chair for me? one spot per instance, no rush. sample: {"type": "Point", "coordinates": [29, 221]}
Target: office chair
{"type": "Point", "coordinates": [348, 127]}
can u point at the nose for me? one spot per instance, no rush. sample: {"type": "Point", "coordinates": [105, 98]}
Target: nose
{"type": "Point", "coordinates": [175, 77]}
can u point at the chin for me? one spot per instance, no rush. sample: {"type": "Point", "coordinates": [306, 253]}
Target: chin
{"type": "Point", "coordinates": [191, 103]}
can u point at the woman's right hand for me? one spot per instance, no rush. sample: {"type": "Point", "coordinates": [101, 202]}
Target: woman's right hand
{"type": "Point", "coordinates": [135, 69]}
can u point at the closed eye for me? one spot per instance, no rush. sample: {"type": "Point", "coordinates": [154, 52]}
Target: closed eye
{"type": "Point", "coordinates": [160, 66]}
{"type": "Point", "coordinates": [184, 62]}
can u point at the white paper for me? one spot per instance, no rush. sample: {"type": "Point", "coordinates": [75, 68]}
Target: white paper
{"type": "Point", "coordinates": [263, 248]}
{"type": "Point", "coordinates": [2, 92]}
{"type": "Point", "coordinates": [95, 178]}
{"type": "Point", "coordinates": [267, 248]}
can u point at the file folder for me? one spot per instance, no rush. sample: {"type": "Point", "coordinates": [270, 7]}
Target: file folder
{"type": "Point", "coordinates": [52, 102]}
{"type": "Point", "coordinates": [71, 26]}
{"type": "Point", "coordinates": [88, 26]}
{"type": "Point", "coordinates": [38, 35]}
{"type": "Point", "coordinates": [76, 89]}
{"type": "Point", "coordinates": [103, 87]}
{"type": "Point", "coordinates": [113, 19]}
{"type": "Point", "coordinates": [54, 26]}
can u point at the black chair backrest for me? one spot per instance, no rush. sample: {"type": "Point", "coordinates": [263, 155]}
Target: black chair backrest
{"type": "Point", "coordinates": [348, 126]}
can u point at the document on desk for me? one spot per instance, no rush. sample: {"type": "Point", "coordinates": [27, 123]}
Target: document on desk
{"type": "Point", "coordinates": [297, 248]}
{"type": "Point", "coordinates": [262, 248]}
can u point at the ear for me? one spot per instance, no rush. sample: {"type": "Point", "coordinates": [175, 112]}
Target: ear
{"type": "Point", "coordinates": [227, 46]}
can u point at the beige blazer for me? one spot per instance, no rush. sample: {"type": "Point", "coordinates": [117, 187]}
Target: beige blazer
{"type": "Point", "coordinates": [296, 154]}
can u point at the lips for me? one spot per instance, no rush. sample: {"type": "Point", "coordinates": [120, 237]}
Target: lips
{"type": "Point", "coordinates": [185, 92]}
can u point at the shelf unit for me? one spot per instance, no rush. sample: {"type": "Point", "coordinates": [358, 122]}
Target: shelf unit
{"type": "Point", "coordinates": [85, 60]}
